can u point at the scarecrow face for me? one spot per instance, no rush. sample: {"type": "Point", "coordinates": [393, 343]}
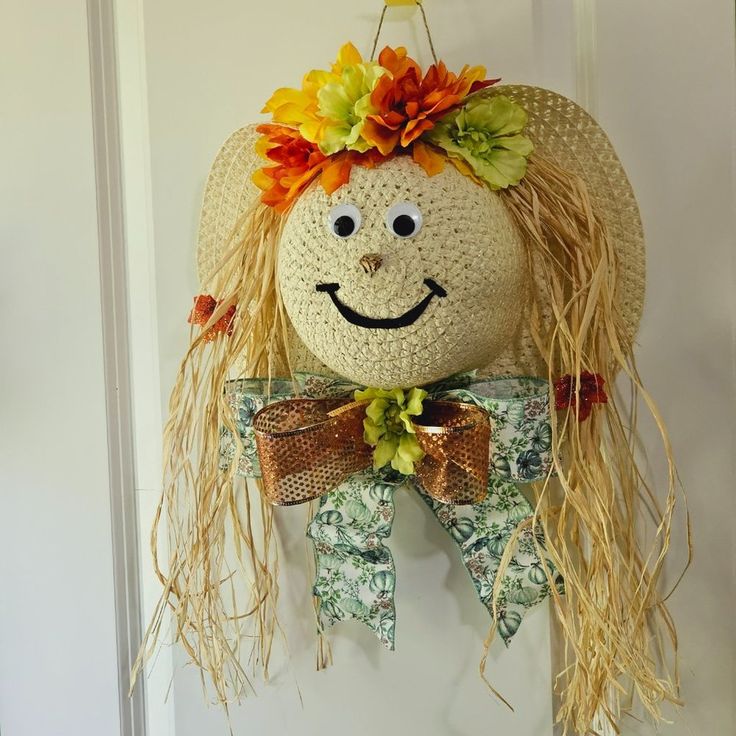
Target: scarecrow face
{"type": "Point", "coordinates": [400, 279]}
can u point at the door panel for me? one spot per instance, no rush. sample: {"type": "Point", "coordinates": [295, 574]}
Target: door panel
{"type": "Point", "coordinates": [663, 88]}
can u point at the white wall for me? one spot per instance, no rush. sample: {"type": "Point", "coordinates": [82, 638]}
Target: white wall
{"type": "Point", "coordinates": [666, 95]}
{"type": "Point", "coordinates": [58, 666]}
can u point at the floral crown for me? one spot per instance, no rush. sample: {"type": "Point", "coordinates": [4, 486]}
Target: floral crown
{"type": "Point", "coordinates": [363, 112]}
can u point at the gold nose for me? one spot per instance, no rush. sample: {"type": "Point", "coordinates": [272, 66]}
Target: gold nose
{"type": "Point", "coordinates": [371, 262]}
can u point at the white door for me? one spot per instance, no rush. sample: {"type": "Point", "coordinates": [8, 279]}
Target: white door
{"type": "Point", "coordinates": [660, 77]}
{"type": "Point", "coordinates": [430, 684]}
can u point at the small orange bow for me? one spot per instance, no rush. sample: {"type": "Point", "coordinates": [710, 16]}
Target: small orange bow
{"type": "Point", "coordinates": [204, 308]}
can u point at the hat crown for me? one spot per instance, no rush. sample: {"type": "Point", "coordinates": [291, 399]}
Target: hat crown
{"type": "Point", "coordinates": [446, 297]}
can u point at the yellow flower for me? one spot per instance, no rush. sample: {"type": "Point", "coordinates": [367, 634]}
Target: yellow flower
{"type": "Point", "coordinates": [297, 108]}
{"type": "Point", "coordinates": [331, 107]}
{"type": "Point", "coordinates": [389, 429]}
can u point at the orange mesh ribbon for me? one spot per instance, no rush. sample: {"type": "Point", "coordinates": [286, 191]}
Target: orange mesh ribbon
{"type": "Point", "coordinates": [456, 440]}
{"type": "Point", "coordinates": [307, 447]}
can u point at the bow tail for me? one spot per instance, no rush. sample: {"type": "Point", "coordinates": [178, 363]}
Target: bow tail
{"type": "Point", "coordinates": [482, 531]}
{"type": "Point", "coordinates": [356, 577]}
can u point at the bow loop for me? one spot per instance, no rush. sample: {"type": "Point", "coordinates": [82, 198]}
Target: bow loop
{"type": "Point", "coordinates": [307, 447]}
{"type": "Point", "coordinates": [455, 437]}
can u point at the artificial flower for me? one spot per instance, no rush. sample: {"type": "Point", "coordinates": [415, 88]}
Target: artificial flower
{"type": "Point", "coordinates": [580, 395]}
{"type": "Point", "coordinates": [486, 134]}
{"type": "Point", "coordinates": [331, 107]}
{"type": "Point", "coordinates": [408, 104]}
{"type": "Point", "coordinates": [388, 427]}
{"type": "Point", "coordinates": [299, 108]}
{"type": "Point", "coordinates": [344, 105]}
{"type": "Point", "coordinates": [296, 162]}
{"type": "Point", "coordinates": [202, 311]}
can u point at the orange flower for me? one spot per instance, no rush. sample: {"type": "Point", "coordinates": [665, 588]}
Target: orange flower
{"type": "Point", "coordinates": [408, 104]}
{"type": "Point", "coordinates": [298, 162]}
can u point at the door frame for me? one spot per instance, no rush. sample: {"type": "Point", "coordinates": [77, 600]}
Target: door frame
{"type": "Point", "coordinates": [130, 346]}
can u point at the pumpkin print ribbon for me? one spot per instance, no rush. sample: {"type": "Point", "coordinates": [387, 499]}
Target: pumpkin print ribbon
{"type": "Point", "coordinates": [356, 577]}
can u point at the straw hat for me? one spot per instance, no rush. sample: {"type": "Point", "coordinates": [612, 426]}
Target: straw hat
{"type": "Point", "coordinates": [399, 270]}
{"type": "Point", "coordinates": [499, 341]}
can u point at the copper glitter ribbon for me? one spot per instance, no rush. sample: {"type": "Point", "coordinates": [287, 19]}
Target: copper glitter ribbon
{"type": "Point", "coordinates": [307, 447]}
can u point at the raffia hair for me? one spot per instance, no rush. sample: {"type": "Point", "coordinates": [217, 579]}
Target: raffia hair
{"type": "Point", "coordinates": [618, 632]}
{"type": "Point", "coordinates": [614, 620]}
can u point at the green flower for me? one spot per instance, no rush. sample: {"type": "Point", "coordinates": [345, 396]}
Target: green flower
{"type": "Point", "coordinates": [388, 427]}
{"type": "Point", "coordinates": [345, 104]}
{"type": "Point", "coordinates": [485, 134]}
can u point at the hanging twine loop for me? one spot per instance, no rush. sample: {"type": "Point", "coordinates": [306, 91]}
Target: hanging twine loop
{"type": "Point", "coordinates": [418, 3]}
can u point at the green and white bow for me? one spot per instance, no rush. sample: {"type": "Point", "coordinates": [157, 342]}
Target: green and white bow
{"type": "Point", "coordinates": [356, 576]}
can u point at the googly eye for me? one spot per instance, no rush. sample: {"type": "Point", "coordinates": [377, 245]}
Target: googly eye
{"type": "Point", "coordinates": [344, 220]}
{"type": "Point", "coordinates": [404, 219]}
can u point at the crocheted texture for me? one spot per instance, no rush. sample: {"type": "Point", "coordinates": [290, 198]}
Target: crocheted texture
{"type": "Point", "coordinates": [468, 245]}
{"type": "Point", "coordinates": [561, 130]}
{"type": "Point", "coordinates": [227, 194]}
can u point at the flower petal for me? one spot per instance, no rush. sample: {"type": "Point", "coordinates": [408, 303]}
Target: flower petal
{"type": "Point", "coordinates": [414, 404]}
{"type": "Point", "coordinates": [372, 433]}
{"type": "Point", "coordinates": [371, 393]}
{"type": "Point", "coordinates": [407, 453]}
{"type": "Point", "coordinates": [516, 143]}
{"type": "Point", "coordinates": [376, 410]}
{"type": "Point", "coordinates": [348, 54]}
{"type": "Point", "coordinates": [385, 451]}
{"type": "Point", "coordinates": [397, 395]}
{"type": "Point", "coordinates": [380, 135]}
{"type": "Point", "coordinates": [428, 157]}
{"type": "Point", "coordinates": [335, 173]}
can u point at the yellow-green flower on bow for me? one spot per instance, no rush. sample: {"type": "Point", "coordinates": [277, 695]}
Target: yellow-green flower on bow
{"type": "Point", "coordinates": [485, 134]}
{"type": "Point", "coordinates": [388, 427]}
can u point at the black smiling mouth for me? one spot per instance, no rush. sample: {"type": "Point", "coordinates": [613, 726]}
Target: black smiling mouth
{"type": "Point", "coordinates": [387, 323]}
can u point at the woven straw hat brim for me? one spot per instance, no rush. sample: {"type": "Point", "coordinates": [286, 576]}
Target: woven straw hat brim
{"type": "Point", "coordinates": [561, 131]}
{"type": "Point", "coordinates": [227, 195]}
{"type": "Point", "coordinates": [565, 133]}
